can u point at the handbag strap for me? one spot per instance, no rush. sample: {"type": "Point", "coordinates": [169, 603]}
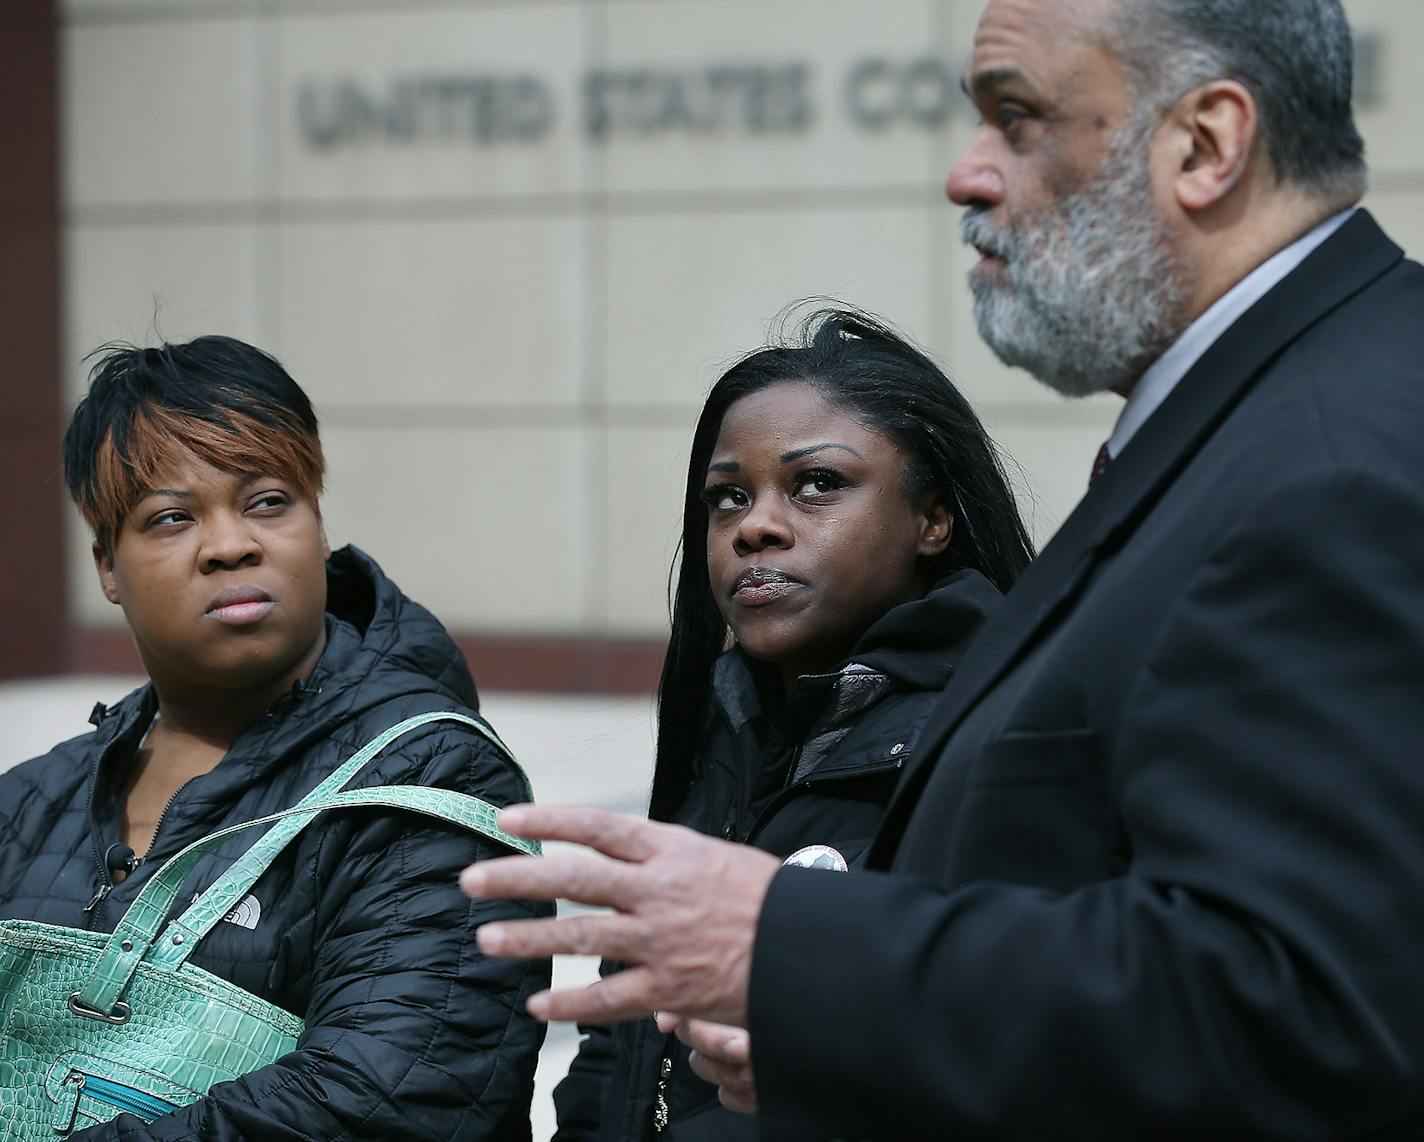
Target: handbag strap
{"type": "Point", "coordinates": [225, 892]}
{"type": "Point", "coordinates": [137, 930]}
{"type": "Point", "coordinates": [341, 776]}
{"type": "Point", "coordinates": [472, 813]}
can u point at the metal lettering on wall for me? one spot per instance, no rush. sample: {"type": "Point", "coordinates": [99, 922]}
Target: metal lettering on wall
{"type": "Point", "coordinates": [479, 108]}
{"type": "Point", "coordinates": [724, 98]}
{"type": "Point", "coordinates": [875, 93]}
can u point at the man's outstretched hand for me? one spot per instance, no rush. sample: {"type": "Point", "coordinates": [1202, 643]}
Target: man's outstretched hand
{"type": "Point", "coordinates": [685, 913]}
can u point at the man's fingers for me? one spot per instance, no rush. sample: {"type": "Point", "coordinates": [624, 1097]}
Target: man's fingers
{"type": "Point", "coordinates": [739, 1100]}
{"type": "Point", "coordinates": [562, 877]}
{"type": "Point", "coordinates": [626, 995]}
{"type": "Point", "coordinates": [737, 1076]}
{"type": "Point", "coordinates": [716, 1040]}
{"type": "Point", "coordinates": [615, 834]}
{"type": "Point", "coordinates": [598, 934]}
{"type": "Point", "coordinates": [735, 1086]}
{"type": "Point", "coordinates": [721, 1055]}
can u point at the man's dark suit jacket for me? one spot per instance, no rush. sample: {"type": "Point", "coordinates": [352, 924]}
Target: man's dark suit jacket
{"type": "Point", "coordinates": [1159, 867]}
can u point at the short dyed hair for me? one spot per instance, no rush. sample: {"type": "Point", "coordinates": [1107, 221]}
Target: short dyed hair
{"type": "Point", "coordinates": [227, 403]}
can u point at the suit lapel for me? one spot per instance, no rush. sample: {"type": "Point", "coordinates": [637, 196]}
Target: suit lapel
{"type": "Point", "coordinates": [1350, 260]}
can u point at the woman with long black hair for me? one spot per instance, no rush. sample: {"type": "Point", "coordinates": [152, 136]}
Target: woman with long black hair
{"type": "Point", "coordinates": [847, 526]}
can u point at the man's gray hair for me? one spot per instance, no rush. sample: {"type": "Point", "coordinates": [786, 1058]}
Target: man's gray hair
{"type": "Point", "coordinates": [1296, 57]}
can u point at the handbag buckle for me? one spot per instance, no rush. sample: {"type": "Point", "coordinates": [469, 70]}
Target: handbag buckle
{"type": "Point", "coordinates": [119, 1014]}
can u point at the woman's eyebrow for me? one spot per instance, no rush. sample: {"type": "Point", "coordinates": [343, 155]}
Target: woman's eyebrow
{"type": "Point", "coordinates": [176, 493]}
{"type": "Point", "coordinates": [724, 466]}
{"type": "Point", "coordinates": [801, 453]}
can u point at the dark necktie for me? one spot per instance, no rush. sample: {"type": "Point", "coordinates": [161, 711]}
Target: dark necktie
{"type": "Point", "coordinates": [1100, 465]}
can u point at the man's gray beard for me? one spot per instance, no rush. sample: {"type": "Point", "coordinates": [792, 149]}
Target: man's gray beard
{"type": "Point", "coordinates": [1090, 293]}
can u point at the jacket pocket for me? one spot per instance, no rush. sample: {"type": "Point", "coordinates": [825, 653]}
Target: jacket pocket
{"type": "Point", "coordinates": [1037, 812]}
{"type": "Point", "coordinates": [1035, 757]}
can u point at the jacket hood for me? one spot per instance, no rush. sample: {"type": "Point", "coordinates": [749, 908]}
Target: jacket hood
{"type": "Point", "coordinates": [915, 646]}
{"type": "Point", "coordinates": [920, 643]}
{"type": "Point", "coordinates": [388, 638]}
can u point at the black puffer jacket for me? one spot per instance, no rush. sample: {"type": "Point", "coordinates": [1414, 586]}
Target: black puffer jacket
{"type": "Point", "coordinates": [358, 927]}
{"type": "Point", "coordinates": [819, 772]}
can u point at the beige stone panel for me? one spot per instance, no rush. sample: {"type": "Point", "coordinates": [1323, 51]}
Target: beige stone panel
{"type": "Point", "coordinates": [1392, 127]}
{"type": "Point", "coordinates": [1050, 462]}
{"type": "Point", "coordinates": [346, 7]}
{"type": "Point", "coordinates": [485, 527]}
{"type": "Point", "coordinates": [1401, 213]}
{"type": "Point", "coordinates": [147, 283]}
{"type": "Point", "coordinates": [80, 10]}
{"type": "Point", "coordinates": [722, 151]}
{"type": "Point", "coordinates": [398, 314]}
{"type": "Point", "coordinates": [441, 77]}
{"type": "Point", "coordinates": [160, 112]}
{"type": "Point", "coordinates": [646, 472]}
{"type": "Point", "coordinates": [688, 294]}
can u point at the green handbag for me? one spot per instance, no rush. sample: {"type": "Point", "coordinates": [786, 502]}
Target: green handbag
{"type": "Point", "coordinates": [94, 1025]}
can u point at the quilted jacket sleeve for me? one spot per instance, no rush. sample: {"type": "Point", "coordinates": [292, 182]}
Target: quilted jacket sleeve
{"type": "Point", "coordinates": [411, 1033]}
{"type": "Point", "coordinates": [589, 1101]}
{"type": "Point", "coordinates": [580, 1098]}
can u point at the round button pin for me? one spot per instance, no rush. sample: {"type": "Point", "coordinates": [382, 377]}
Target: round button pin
{"type": "Point", "coordinates": [817, 856]}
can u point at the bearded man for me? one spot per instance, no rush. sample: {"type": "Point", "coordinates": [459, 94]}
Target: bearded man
{"type": "Point", "coordinates": [1158, 872]}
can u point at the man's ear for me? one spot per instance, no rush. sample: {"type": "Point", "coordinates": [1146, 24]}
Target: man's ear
{"type": "Point", "coordinates": [936, 528]}
{"type": "Point", "coordinates": [325, 543]}
{"type": "Point", "coordinates": [1210, 137]}
{"type": "Point", "coordinates": [104, 565]}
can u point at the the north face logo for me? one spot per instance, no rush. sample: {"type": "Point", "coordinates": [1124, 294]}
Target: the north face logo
{"type": "Point", "coordinates": [246, 914]}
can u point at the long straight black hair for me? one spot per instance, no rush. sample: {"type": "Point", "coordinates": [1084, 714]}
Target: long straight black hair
{"type": "Point", "coordinates": [861, 366]}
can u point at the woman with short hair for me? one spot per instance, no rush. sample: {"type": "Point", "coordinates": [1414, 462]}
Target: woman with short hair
{"type": "Point", "coordinates": [272, 660]}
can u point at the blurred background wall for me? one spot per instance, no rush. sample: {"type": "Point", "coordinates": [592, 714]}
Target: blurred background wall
{"type": "Point", "coordinates": [506, 245]}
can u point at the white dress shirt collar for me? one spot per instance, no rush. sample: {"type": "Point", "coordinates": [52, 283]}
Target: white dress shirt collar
{"type": "Point", "coordinates": [1162, 377]}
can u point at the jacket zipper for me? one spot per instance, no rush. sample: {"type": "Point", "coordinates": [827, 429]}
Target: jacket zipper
{"type": "Point", "coordinates": [158, 825]}
{"type": "Point", "coordinates": [106, 884]}
{"type": "Point", "coordinates": [106, 880]}
{"type": "Point", "coordinates": [106, 874]}
{"type": "Point", "coordinates": [739, 796]}
{"type": "Point", "coordinates": [660, 1103]}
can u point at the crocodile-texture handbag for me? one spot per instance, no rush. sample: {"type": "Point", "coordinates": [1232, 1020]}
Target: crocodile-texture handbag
{"type": "Point", "coordinates": [93, 1025]}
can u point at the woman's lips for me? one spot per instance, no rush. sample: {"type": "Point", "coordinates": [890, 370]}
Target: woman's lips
{"type": "Point", "coordinates": [240, 606]}
{"type": "Point", "coordinates": [242, 614]}
{"type": "Point", "coordinates": [760, 587]}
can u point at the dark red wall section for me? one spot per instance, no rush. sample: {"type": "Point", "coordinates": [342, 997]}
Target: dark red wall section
{"type": "Point", "coordinates": [532, 664]}
{"type": "Point", "coordinates": [33, 626]}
